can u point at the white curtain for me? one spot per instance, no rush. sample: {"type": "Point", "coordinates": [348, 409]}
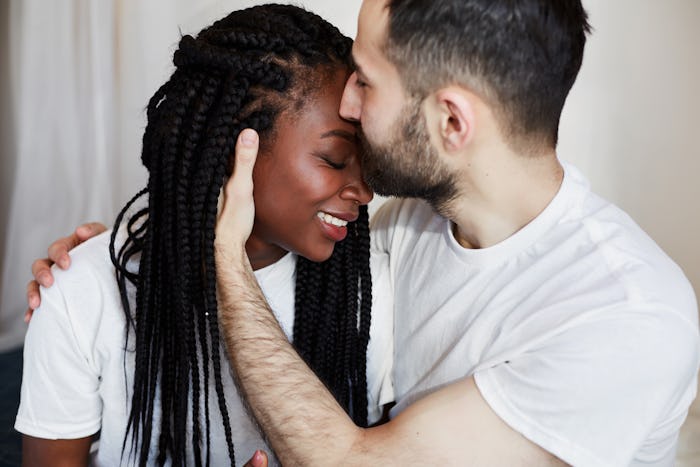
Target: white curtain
{"type": "Point", "coordinates": [61, 79]}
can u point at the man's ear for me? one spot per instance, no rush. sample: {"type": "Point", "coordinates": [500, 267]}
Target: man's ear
{"type": "Point", "coordinates": [456, 117]}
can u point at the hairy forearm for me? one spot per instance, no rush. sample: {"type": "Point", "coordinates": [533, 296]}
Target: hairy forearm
{"type": "Point", "coordinates": [302, 420]}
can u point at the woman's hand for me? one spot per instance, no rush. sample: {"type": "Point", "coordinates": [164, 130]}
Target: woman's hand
{"type": "Point", "coordinates": [259, 459]}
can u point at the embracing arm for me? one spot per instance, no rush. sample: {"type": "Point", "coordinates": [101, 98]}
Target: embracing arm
{"type": "Point", "coordinates": [55, 452]}
{"type": "Point", "coordinates": [58, 253]}
{"type": "Point", "coordinates": [304, 423]}
{"type": "Point", "coordinates": [306, 426]}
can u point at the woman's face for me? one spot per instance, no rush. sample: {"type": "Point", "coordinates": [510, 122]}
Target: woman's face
{"type": "Point", "coordinates": [308, 182]}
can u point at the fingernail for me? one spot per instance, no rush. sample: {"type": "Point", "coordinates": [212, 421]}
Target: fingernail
{"type": "Point", "coordinates": [257, 458]}
{"type": "Point", "coordinates": [26, 317]}
{"type": "Point", "coordinates": [249, 137]}
{"type": "Point", "coordinates": [64, 263]}
{"type": "Point", "coordinates": [44, 278]}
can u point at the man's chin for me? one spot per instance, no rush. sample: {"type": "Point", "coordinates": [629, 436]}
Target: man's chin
{"type": "Point", "coordinates": [438, 195]}
{"type": "Point", "coordinates": [381, 184]}
{"type": "Point", "coordinates": [384, 186]}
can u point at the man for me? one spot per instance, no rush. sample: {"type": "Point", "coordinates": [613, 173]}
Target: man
{"type": "Point", "coordinates": [535, 323]}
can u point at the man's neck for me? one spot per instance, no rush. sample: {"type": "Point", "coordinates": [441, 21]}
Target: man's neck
{"type": "Point", "coordinates": [501, 196]}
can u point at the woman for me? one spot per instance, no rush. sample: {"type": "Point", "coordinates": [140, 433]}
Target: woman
{"type": "Point", "coordinates": [169, 398]}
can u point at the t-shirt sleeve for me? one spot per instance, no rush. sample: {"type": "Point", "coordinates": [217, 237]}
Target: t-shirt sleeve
{"type": "Point", "coordinates": [60, 383]}
{"type": "Point", "coordinates": [380, 350]}
{"type": "Point", "coordinates": [596, 392]}
{"type": "Point", "coordinates": [382, 225]}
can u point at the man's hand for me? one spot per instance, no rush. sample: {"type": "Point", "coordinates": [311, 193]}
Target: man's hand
{"type": "Point", "coordinates": [58, 253]}
{"type": "Point", "coordinates": [235, 221]}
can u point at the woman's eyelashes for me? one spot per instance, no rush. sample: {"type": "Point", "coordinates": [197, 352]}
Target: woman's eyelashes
{"type": "Point", "coordinates": [333, 162]}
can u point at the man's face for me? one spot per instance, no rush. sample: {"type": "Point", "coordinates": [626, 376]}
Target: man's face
{"type": "Point", "coordinates": [374, 94]}
{"type": "Point", "coordinates": [406, 164]}
{"type": "Point", "coordinates": [399, 158]}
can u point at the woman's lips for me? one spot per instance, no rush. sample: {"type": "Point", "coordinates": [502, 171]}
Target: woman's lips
{"type": "Point", "coordinates": [335, 225]}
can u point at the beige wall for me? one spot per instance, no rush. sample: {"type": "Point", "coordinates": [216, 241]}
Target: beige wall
{"type": "Point", "coordinates": [632, 122]}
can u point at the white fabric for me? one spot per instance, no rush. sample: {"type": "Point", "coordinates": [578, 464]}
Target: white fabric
{"type": "Point", "coordinates": [580, 332]}
{"type": "Point", "coordinates": [74, 382]}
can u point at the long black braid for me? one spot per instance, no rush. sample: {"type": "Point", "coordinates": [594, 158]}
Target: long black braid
{"type": "Point", "coordinates": [241, 72]}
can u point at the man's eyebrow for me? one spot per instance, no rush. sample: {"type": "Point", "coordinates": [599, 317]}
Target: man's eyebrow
{"type": "Point", "coordinates": [350, 136]}
{"type": "Point", "coordinates": [353, 63]}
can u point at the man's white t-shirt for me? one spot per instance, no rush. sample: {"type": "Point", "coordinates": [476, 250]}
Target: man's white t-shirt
{"type": "Point", "coordinates": [74, 382]}
{"type": "Point", "coordinates": [580, 332]}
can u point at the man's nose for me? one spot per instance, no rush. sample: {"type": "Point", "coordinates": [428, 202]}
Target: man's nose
{"type": "Point", "coordinates": [351, 103]}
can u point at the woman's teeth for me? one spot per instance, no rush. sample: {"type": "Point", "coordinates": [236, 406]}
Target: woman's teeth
{"type": "Point", "coordinates": [328, 219]}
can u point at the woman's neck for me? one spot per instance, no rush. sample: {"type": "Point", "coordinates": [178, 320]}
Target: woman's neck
{"type": "Point", "coordinates": [262, 254]}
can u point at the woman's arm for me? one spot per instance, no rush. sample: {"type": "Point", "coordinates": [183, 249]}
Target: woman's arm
{"type": "Point", "coordinates": [55, 452]}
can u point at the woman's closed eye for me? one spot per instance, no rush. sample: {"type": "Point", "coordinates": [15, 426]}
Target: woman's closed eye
{"type": "Point", "coordinates": [334, 162]}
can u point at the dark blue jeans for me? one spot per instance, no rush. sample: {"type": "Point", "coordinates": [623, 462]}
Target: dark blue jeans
{"type": "Point", "coordinates": [10, 380]}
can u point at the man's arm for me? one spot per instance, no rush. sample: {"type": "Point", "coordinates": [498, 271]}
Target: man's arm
{"type": "Point", "coordinates": [304, 423]}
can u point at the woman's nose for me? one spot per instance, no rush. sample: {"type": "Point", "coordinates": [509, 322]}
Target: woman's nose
{"type": "Point", "coordinates": [357, 190]}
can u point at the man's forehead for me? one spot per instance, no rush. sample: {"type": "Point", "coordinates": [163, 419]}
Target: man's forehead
{"type": "Point", "coordinates": [371, 26]}
{"type": "Point", "coordinates": [373, 17]}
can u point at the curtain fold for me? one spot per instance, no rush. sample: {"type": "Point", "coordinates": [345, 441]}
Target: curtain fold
{"type": "Point", "coordinates": [62, 61]}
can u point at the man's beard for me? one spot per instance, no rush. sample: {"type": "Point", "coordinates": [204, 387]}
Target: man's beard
{"type": "Point", "coordinates": [407, 165]}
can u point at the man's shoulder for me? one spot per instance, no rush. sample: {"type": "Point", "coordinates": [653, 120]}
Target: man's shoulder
{"type": "Point", "coordinates": [630, 257]}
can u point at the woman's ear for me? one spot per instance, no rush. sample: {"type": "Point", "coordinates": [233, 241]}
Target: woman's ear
{"type": "Point", "coordinates": [456, 117]}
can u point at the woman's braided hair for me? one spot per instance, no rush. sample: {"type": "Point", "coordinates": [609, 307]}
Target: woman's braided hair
{"type": "Point", "coordinates": [240, 72]}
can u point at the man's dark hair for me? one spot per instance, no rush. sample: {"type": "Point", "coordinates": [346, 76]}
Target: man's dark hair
{"type": "Point", "coordinates": [241, 72]}
{"type": "Point", "coordinates": [520, 56]}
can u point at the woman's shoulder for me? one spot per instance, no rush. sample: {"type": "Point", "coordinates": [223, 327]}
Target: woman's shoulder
{"type": "Point", "coordinates": [87, 291]}
{"type": "Point", "coordinates": [90, 261]}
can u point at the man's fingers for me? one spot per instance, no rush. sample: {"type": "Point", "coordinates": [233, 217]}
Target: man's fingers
{"type": "Point", "coordinates": [259, 459]}
{"type": "Point", "coordinates": [41, 270]}
{"type": "Point", "coordinates": [33, 297]}
{"type": "Point", "coordinates": [58, 250]}
{"type": "Point", "coordinates": [235, 221]}
{"type": "Point", "coordinates": [89, 230]}
{"type": "Point", "coordinates": [58, 253]}
{"type": "Point", "coordinates": [240, 185]}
